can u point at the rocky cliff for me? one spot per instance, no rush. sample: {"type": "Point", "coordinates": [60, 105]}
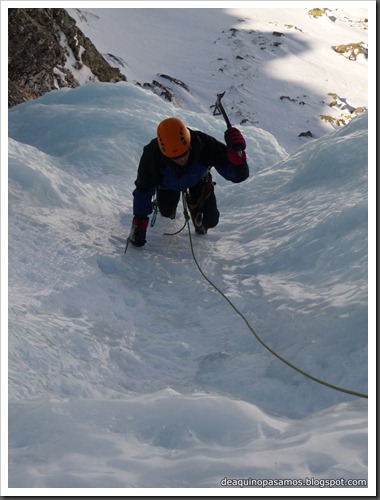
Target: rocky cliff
{"type": "Point", "coordinates": [47, 51]}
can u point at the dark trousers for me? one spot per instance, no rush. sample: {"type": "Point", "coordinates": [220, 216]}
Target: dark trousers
{"type": "Point", "coordinates": [201, 199]}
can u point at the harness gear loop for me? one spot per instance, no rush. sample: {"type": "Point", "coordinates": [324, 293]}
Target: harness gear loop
{"type": "Point", "coordinates": [205, 193]}
{"type": "Point", "coordinates": [196, 208]}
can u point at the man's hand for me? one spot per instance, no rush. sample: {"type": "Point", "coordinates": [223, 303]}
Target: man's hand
{"type": "Point", "coordinates": [236, 146]}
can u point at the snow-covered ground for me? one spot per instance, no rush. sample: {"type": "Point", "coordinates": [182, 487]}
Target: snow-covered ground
{"type": "Point", "coordinates": [129, 370]}
{"type": "Point", "coordinates": [277, 65]}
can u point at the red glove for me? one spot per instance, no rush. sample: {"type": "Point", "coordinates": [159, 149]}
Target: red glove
{"type": "Point", "coordinates": [139, 227]}
{"type": "Point", "coordinates": [236, 146]}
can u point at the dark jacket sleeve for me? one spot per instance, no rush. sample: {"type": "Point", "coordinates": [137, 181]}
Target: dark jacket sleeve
{"type": "Point", "coordinates": [148, 178]}
{"type": "Point", "coordinates": [214, 153]}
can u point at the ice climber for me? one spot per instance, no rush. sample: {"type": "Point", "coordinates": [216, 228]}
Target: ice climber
{"type": "Point", "coordinates": [179, 160]}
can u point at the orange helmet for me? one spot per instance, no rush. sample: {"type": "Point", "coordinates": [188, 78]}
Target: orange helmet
{"type": "Point", "coordinates": [173, 137]}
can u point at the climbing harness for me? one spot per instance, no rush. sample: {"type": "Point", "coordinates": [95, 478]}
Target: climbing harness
{"type": "Point", "coordinates": [195, 207]}
{"type": "Point", "coordinates": [302, 372]}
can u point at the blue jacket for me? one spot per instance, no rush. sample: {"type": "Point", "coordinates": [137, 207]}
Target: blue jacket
{"type": "Point", "coordinates": [157, 171]}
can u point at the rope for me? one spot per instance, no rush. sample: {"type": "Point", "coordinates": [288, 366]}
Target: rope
{"type": "Point", "coordinates": [177, 232]}
{"type": "Point", "coordinates": [185, 213]}
{"type": "Point", "coordinates": [302, 372]}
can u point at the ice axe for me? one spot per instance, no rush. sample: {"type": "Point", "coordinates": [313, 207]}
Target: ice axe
{"type": "Point", "coordinates": [219, 110]}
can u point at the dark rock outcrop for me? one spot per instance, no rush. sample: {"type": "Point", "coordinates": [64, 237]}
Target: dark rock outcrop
{"type": "Point", "coordinates": [46, 50]}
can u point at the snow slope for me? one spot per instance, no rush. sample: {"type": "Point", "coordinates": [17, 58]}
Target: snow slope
{"type": "Point", "coordinates": [277, 65]}
{"type": "Point", "coordinates": [129, 371]}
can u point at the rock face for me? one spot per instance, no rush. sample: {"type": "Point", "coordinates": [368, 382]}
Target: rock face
{"type": "Point", "coordinates": [47, 51]}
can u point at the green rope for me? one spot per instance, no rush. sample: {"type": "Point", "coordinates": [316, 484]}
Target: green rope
{"type": "Point", "coordinates": [185, 213]}
{"type": "Point", "coordinates": [331, 386]}
{"type": "Point", "coordinates": [177, 232]}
